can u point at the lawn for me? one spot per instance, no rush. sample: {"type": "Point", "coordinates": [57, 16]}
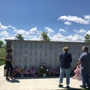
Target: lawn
{"type": "Point", "coordinates": [2, 55]}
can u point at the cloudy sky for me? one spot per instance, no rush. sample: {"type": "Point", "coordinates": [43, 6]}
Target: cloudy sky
{"type": "Point", "coordinates": [63, 20]}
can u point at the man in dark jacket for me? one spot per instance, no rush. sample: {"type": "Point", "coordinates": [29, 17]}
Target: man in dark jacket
{"type": "Point", "coordinates": [65, 61]}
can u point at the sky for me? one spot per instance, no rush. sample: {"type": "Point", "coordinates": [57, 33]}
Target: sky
{"type": "Point", "coordinates": [63, 20]}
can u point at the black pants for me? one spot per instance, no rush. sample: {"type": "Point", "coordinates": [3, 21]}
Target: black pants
{"type": "Point", "coordinates": [9, 68]}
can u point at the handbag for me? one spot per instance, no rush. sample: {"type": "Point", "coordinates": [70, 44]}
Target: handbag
{"type": "Point", "coordinates": [5, 67]}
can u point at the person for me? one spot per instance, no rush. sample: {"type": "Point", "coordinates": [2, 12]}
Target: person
{"type": "Point", "coordinates": [8, 63]}
{"type": "Point", "coordinates": [77, 72]}
{"type": "Point", "coordinates": [65, 61]}
{"type": "Point", "coordinates": [84, 60]}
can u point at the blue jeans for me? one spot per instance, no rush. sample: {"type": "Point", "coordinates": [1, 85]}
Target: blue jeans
{"type": "Point", "coordinates": [67, 72]}
{"type": "Point", "coordinates": [85, 77]}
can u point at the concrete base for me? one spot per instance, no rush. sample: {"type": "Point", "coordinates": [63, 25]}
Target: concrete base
{"type": "Point", "coordinates": [5, 72]}
{"type": "Point", "coordinates": [35, 84]}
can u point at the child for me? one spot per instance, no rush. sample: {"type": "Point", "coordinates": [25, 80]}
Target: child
{"type": "Point", "coordinates": [77, 72]}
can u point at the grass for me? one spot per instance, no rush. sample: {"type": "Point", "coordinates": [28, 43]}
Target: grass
{"type": "Point", "coordinates": [2, 55]}
{"type": "Point", "coordinates": [2, 62]}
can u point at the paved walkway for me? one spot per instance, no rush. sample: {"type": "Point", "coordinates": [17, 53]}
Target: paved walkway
{"type": "Point", "coordinates": [34, 83]}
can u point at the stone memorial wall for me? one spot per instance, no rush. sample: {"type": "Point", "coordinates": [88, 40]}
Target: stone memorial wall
{"type": "Point", "coordinates": [34, 53]}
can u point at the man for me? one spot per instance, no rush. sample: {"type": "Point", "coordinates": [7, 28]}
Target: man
{"type": "Point", "coordinates": [65, 61]}
{"type": "Point", "coordinates": [84, 60]}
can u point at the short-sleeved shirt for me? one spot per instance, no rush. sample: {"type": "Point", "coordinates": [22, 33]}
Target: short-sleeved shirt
{"type": "Point", "coordinates": [85, 61]}
{"type": "Point", "coordinates": [9, 57]}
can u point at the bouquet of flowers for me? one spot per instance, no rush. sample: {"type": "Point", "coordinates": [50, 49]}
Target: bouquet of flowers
{"type": "Point", "coordinates": [42, 70]}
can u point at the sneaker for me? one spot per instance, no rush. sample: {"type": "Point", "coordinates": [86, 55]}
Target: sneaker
{"type": "Point", "coordinates": [11, 77]}
{"type": "Point", "coordinates": [60, 85]}
{"type": "Point", "coordinates": [82, 86]}
{"type": "Point", "coordinates": [67, 86]}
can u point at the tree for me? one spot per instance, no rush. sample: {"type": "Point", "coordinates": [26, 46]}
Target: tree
{"type": "Point", "coordinates": [44, 36]}
{"type": "Point", "coordinates": [4, 46]}
{"type": "Point", "coordinates": [87, 38]}
{"type": "Point", "coordinates": [19, 37]}
{"type": "Point", "coordinates": [1, 43]}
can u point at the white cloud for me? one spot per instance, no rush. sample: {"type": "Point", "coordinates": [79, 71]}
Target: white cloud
{"type": "Point", "coordinates": [82, 31]}
{"type": "Point", "coordinates": [2, 27]}
{"type": "Point", "coordinates": [34, 38]}
{"type": "Point", "coordinates": [28, 35]}
{"type": "Point", "coordinates": [62, 30]}
{"type": "Point", "coordinates": [70, 38]}
{"type": "Point", "coordinates": [57, 37]}
{"type": "Point", "coordinates": [87, 17]}
{"type": "Point", "coordinates": [88, 32]}
{"type": "Point", "coordinates": [76, 38]}
{"type": "Point", "coordinates": [67, 23]}
{"type": "Point", "coordinates": [74, 19]}
{"type": "Point", "coordinates": [9, 26]}
{"type": "Point", "coordinates": [34, 30]}
{"type": "Point", "coordinates": [49, 30]}
{"type": "Point", "coordinates": [11, 37]}
{"type": "Point", "coordinates": [23, 32]}
{"type": "Point", "coordinates": [4, 33]}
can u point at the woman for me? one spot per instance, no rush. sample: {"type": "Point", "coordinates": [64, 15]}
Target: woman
{"type": "Point", "coordinates": [8, 63]}
{"type": "Point", "coordinates": [65, 61]}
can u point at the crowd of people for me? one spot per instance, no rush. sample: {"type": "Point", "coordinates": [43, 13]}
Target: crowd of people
{"type": "Point", "coordinates": [81, 71]}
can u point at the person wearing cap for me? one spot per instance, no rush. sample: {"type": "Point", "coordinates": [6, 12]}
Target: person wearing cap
{"type": "Point", "coordinates": [84, 61]}
{"type": "Point", "coordinates": [8, 63]}
{"type": "Point", "coordinates": [65, 61]}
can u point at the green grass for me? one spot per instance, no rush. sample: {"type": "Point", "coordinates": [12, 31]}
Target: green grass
{"type": "Point", "coordinates": [2, 62]}
{"type": "Point", "coordinates": [2, 55]}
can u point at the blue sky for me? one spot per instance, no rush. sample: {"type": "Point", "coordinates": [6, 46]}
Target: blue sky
{"type": "Point", "coordinates": [63, 20]}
